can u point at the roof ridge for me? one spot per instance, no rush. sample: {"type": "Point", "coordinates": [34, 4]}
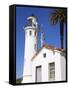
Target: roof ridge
{"type": "Point", "coordinates": [53, 47]}
{"type": "Point", "coordinates": [48, 47]}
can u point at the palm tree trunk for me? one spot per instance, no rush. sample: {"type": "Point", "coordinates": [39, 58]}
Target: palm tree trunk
{"type": "Point", "coordinates": [62, 33]}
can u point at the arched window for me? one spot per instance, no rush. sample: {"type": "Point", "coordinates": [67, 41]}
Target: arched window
{"type": "Point", "coordinates": [30, 33]}
{"type": "Point", "coordinates": [35, 33]}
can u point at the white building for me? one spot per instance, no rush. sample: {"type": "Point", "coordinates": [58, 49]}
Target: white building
{"type": "Point", "coordinates": [41, 65]}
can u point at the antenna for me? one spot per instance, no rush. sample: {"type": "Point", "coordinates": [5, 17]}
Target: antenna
{"type": "Point", "coordinates": [42, 38]}
{"type": "Point", "coordinates": [40, 27]}
{"type": "Point", "coordinates": [42, 35]}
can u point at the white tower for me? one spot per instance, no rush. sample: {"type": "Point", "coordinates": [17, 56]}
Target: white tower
{"type": "Point", "coordinates": [30, 29]}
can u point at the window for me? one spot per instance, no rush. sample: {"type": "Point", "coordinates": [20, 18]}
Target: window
{"type": "Point", "coordinates": [52, 71]}
{"type": "Point", "coordinates": [30, 22]}
{"type": "Point", "coordinates": [35, 46]}
{"type": "Point", "coordinates": [44, 55]}
{"type": "Point", "coordinates": [38, 74]}
{"type": "Point", "coordinates": [30, 33]}
{"type": "Point", "coordinates": [35, 33]}
{"type": "Point", "coordinates": [34, 25]}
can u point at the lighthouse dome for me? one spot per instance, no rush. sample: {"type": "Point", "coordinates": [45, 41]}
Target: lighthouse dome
{"type": "Point", "coordinates": [32, 21]}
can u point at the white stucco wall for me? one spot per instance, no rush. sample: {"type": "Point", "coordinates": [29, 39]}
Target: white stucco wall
{"type": "Point", "coordinates": [30, 41]}
{"type": "Point", "coordinates": [50, 57]}
{"type": "Point", "coordinates": [30, 50]}
{"type": "Point", "coordinates": [63, 68]}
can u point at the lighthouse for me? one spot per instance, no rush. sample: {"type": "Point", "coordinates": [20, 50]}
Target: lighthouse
{"type": "Point", "coordinates": [30, 29]}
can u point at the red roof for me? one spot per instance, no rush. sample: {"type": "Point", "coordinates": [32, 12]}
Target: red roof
{"type": "Point", "coordinates": [48, 47]}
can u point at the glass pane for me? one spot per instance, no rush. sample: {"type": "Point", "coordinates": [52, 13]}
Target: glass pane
{"type": "Point", "coordinates": [52, 71]}
{"type": "Point", "coordinates": [29, 22]}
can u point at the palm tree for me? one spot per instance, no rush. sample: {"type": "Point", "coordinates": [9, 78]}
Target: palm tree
{"type": "Point", "coordinates": [59, 15]}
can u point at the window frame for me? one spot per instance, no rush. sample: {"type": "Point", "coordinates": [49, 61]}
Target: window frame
{"type": "Point", "coordinates": [51, 73]}
{"type": "Point", "coordinates": [30, 33]}
{"type": "Point", "coordinates": [36, 72]}
{"type": "Point", "coordinates": [35, 33]}
{"type": "Point", "coordinates": [44, 55]}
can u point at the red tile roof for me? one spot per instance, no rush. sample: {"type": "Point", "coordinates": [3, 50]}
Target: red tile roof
{"type": "Point", "coordinates": [48, 47]}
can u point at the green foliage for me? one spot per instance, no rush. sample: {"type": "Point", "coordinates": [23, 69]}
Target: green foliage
{"type": "Point", "coordinates": [19, 80]}
{"type": "Point", "coordinates": [59, 16]}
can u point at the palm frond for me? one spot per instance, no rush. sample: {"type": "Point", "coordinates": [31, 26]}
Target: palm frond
{"type": "Point", "coordinates": [58, 15]}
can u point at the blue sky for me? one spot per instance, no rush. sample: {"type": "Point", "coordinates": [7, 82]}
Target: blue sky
{"type": "Point", "coordinates": [52, 35]}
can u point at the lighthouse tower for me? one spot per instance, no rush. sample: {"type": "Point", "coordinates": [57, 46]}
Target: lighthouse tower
{"type": "Point", "coordinates": [30, 49]}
